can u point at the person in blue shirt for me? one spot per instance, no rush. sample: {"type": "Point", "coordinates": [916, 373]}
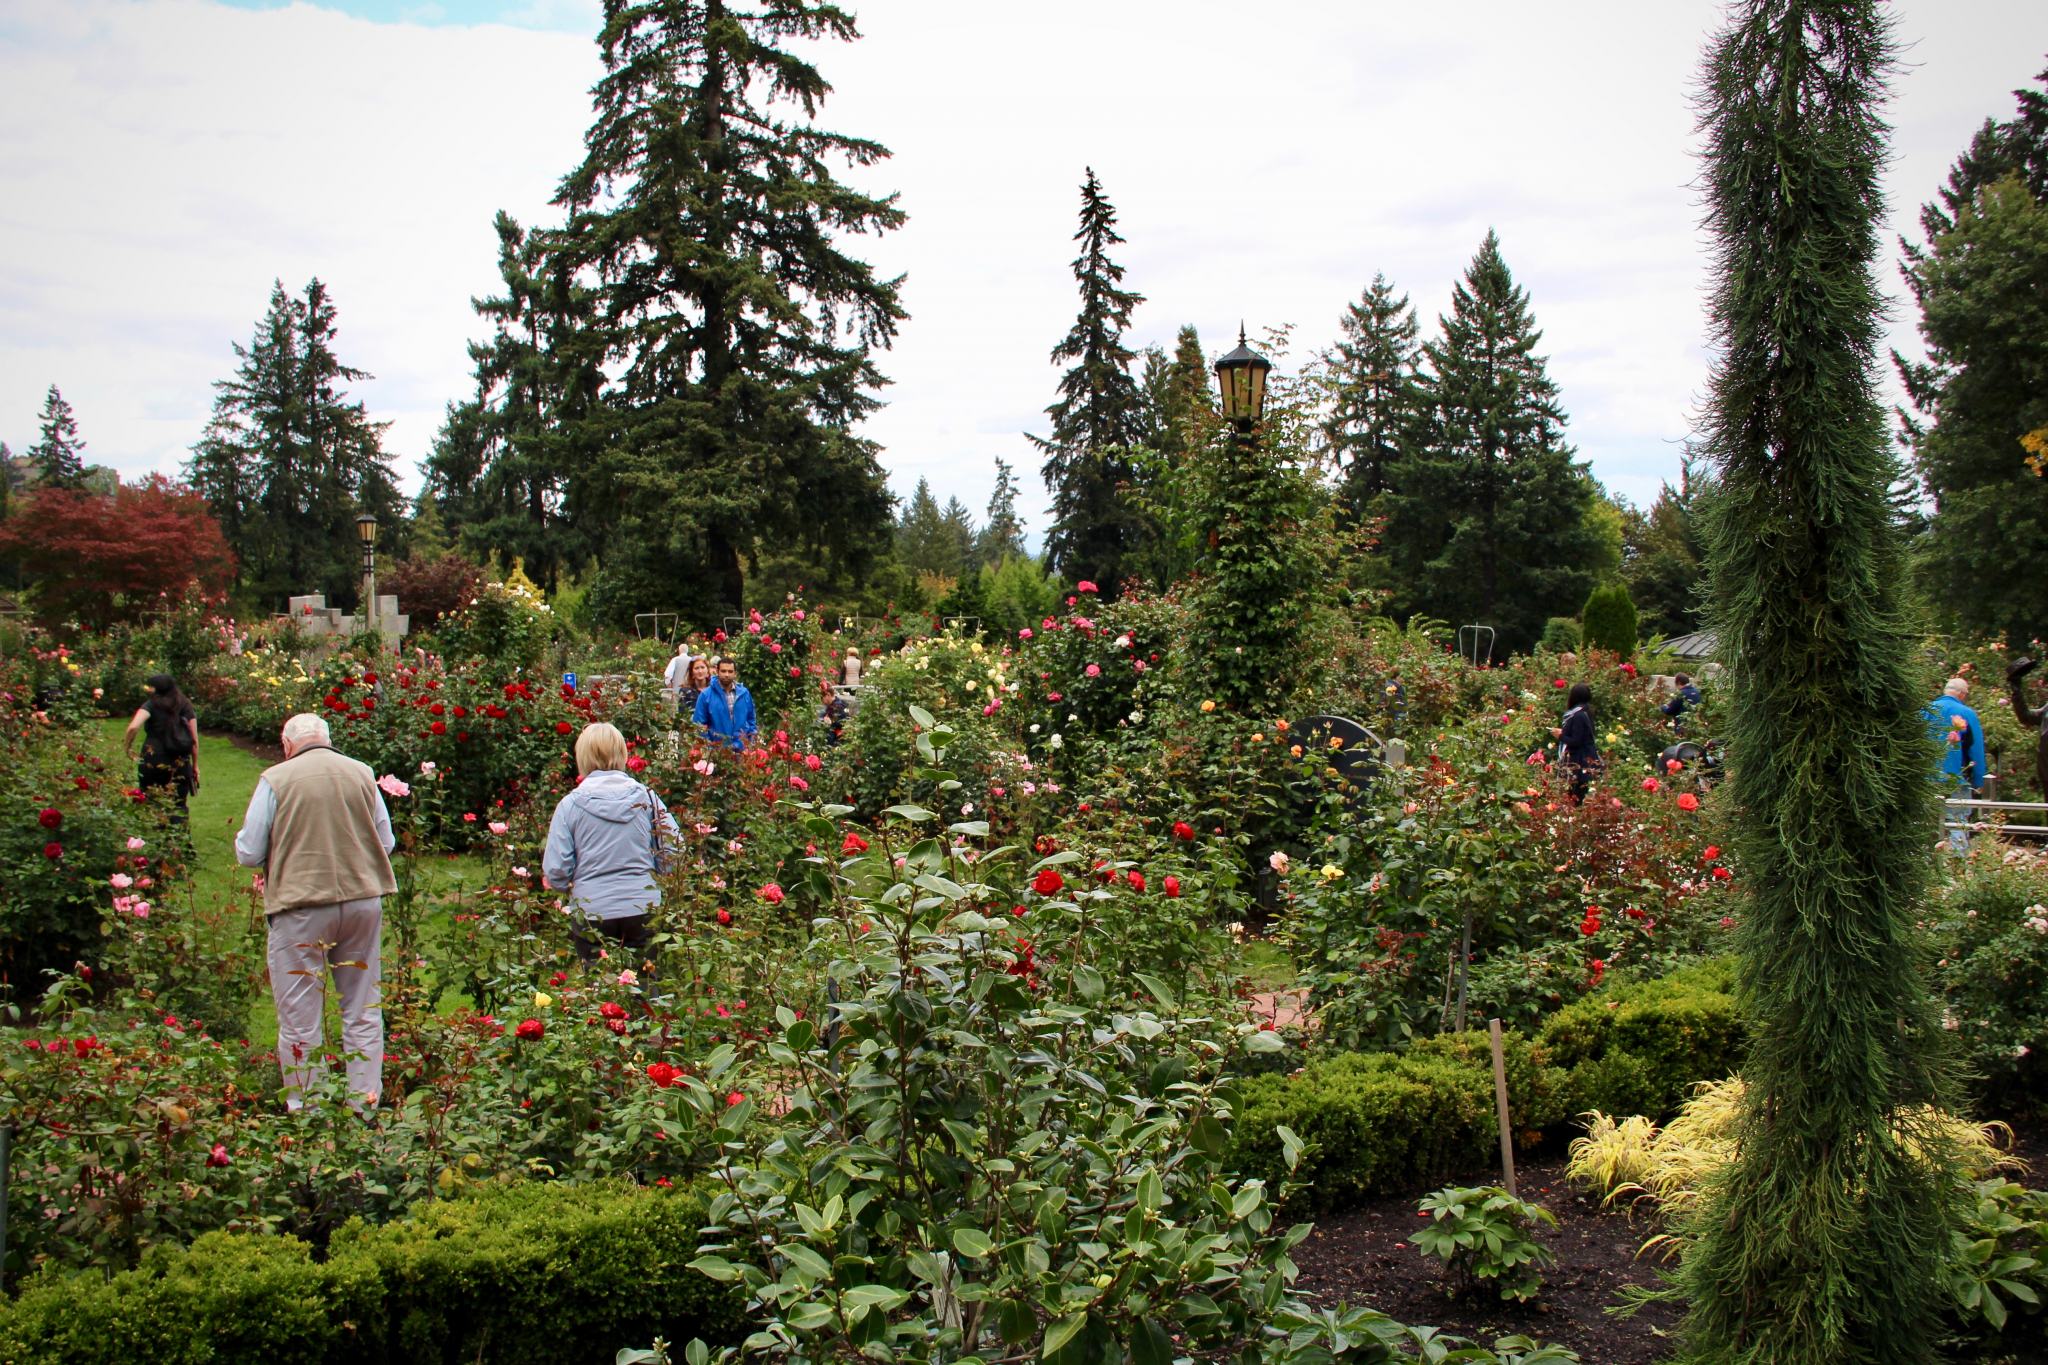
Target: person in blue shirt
{"type": "Point", "coordinates": [726, 710]}
{"type": "Point", "coordinates": [1955, 727]}
{"type": "Point", "coordinates": [1688, 695]}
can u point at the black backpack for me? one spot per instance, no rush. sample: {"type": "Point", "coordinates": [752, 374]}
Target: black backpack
{"type": "Point", "coordinates": [173, 735]}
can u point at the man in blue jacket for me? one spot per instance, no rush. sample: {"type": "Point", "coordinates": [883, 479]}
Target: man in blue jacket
{"type": "Point", "coordinates": [726, 712]}
{"type": "Point", "coordinates": [1956, 728]}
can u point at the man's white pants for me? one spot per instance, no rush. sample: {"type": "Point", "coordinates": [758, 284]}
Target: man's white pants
{"type": "Point", "coordinates": [305, 945]}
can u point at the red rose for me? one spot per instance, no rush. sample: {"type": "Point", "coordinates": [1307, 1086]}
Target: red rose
{"type": "Point", "coordinates": [529, 1029]}
{"type": "Point", "coordinates": [1650, 784]}
{"type": "Point", "coordinates": [53, 851]}
{"type": "Point", "coordinates": [1183, 831]}
{"type": "Point", "coordinates": [1557, 682]}
{"type": "Point", "coordinates": [563, 727]}
{"type": "Point", "coordinates": [1722, 874]}
{"type": "Point", "coordinates": [663, 1075]}
{"type": "Point", "coordinates": [439, 727]}
{"type": "Point", "coordinates": [854, 844]}
{"type": "Point", "coordinates": [1048, 882]}
{"type": "Point", "coordinates": [1711, 852]}
{"type": "Point", "coordinates": [771, 893]}
{"type": "Point", "coordinates": [1687, 801]}
{"type": "Point", "coordinates": [218, 1156]}
{"type": "Point", "coordinates": [612, 1009]}
{"type": "Point", "coordinates": [1171, 886]}
{"type": "Point", "coordinates": [50, 817]}
{"type": "Point", "coordinates": [1137, 880]}
{"type": "Point", "coordinates": [558, 978]}
{"type": "Point", "coordinates": [1590, 925]}
{"type": "Point", "coordinates": [437, 709]}
{"type": "Point", "coordinates": [725, 916]}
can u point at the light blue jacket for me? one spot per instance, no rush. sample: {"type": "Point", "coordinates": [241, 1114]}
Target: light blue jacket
{"type": "Point", "coordinates": [608, 840]}
{"type": "Point", "coordinates": [1962, 758]}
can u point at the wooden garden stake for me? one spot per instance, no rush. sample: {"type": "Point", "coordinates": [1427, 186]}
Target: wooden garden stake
{"type": "Point", "coordinates": [1500, 1106]}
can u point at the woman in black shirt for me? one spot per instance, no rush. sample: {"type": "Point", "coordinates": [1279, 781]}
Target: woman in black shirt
{"type": "Point", "coordinates": [170, 740]}
{"type": "Point", "coordinates": [1576, 740]}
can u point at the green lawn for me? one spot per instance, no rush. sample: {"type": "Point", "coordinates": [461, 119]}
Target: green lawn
{"type": "Point", "coordinates": [227, 776]}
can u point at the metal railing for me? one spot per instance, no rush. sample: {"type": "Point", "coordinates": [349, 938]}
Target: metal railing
{"type": "Point", "coordinates": [1955, 815]}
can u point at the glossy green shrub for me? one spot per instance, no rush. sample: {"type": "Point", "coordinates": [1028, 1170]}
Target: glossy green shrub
{"type": "Point", "coordinates": [508, 1274]}
{"type": "Point", "coordinates": [1638, 1048]}
{"type": "Point", "coordinates": [228, 1297]}
{"type": "Point", "coordinates": [1380, 1123]}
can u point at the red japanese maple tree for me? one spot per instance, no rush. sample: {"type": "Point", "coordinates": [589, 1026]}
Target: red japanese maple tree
{"type": "Point", "coordinates": [97, 558]}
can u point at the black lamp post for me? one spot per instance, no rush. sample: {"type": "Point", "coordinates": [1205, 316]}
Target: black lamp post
{"type": "Point", "coordinates": [1242, 377]}
{"type": "Point", "coordinates": [366, 532]}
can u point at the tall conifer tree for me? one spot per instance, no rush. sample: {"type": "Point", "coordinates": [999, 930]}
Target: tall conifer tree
{"type": "Point", "coordinates": [289, 459]}
{"type": "Point", "coordinates": [1825, 1241]}
{"type": "Point", "coordinates": [508, 468]}
{"type": "Point", "coordinates": [1002, 531]}
{"type": "Point", "coordinates": [1376, 397]}
{"type": "Point", "coordinates": [739, 336]}
{"type": "Point", "coordinates": [1981, 281]}
{"type": "Point", "coordinates": [58, 453]}
{"type": "Point", "coordinates": [1488, 518]}
{"type": "Point", "coordinates": [1099, 416]}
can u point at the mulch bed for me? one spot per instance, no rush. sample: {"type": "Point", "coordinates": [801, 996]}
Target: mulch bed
{"type": "Point", "coordinates": [268, 752]}
{"type": "Point", "coordinates": [1365, 1257]}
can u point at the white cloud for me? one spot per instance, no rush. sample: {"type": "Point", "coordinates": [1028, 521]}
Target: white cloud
{"type": "Point", "coordinates": [165, 159]}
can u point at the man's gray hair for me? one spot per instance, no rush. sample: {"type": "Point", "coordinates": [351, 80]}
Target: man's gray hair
{"type": "Point", "coordinates": [303, 729]}
{"type": "Point", "coordinates": [1958, 687]}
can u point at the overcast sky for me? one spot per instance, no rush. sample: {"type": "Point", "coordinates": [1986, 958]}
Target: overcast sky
{"type": "Point", "coordinates": [161, 161]}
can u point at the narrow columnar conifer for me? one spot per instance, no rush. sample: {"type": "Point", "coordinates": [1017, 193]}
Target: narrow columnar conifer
{"type": "Point", "coordinates": [1824, 1243]}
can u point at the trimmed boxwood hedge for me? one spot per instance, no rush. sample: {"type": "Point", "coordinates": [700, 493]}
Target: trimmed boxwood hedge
{"type": "Point", "coordinates": [511, 1274]}
{"type": "Point", "coordinates": [1384, 1123]}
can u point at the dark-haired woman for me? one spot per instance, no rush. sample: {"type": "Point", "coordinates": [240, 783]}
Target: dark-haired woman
{"type": "Point", "coordinates": [170, 741]}
{"type": "Point", "coordinates": [1576, 741]}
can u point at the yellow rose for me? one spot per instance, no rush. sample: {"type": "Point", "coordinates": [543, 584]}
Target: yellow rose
{"type": "Point", "coordinates": [542, 1000]}
{"type": "Point", "coordinates": [1207, 707]}
{"type": "Point", "coordinates": [1331, 872]}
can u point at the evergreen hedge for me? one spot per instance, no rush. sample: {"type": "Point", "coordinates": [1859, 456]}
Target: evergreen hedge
{"type": "Point", "coordinates": [1387, 1123]}
{"type": "Point", "coordinates": [1608, 620]}
{"type": "Point", "coordinates": [511, 1274]}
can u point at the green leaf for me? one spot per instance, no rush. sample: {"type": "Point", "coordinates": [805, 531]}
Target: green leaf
{"type": "Point", "coordinates": [922, 717]}
{"type": "Point", "coordinates": [1062, 1332]}
{"type": "Point", "coordinates": [1161, 992]}
{"type": "Point", "coordinates": [972, 1242]}
{"type": "Point", "coordinates": [807, 1263]}
{"type": "Point", "coordinates": [1149, 1344]}
{"type": "Point", "coordinates": [877, 1296]}
{"type": "Point", "coordinates": [716, 1268]}
{"type": "Point", "coordinates": [908, 812]}
{"type": "Point", "coordinates": [1088, 982]}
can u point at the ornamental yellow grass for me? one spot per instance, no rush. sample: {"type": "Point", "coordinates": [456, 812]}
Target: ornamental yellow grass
{"type": "Point", "coordinates": [1670, 1165]}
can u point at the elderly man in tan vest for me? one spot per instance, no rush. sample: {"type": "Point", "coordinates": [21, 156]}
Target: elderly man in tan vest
{"type": "Point", "coordinates": [318, 828]}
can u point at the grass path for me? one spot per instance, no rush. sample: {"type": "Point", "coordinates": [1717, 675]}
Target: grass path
{"type": "Point", "coordinates": [227, 777]}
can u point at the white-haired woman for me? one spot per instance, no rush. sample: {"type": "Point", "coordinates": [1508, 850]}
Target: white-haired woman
{"type": "Point", "coordinates": [610, 838]}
